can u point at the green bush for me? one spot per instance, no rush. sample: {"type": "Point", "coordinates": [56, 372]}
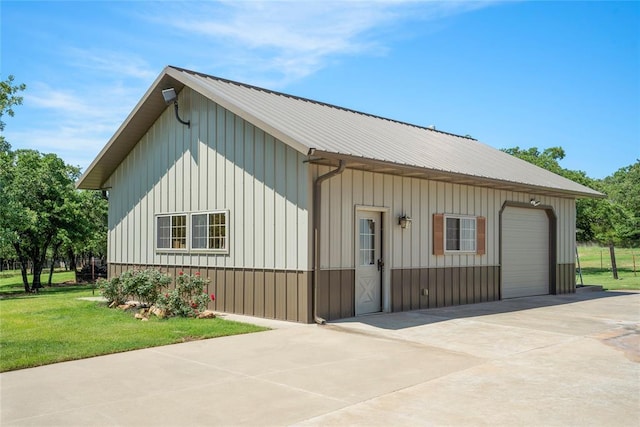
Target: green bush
{"type": "Point", "coordinates": [144, 286]}
{"type": "Point", "coordinates": [187, 299]}
{"type": "Point", "coordinates": [112, 290]}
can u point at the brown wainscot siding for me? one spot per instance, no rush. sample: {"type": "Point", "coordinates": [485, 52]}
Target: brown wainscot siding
{"type": "Point", "coordinates": [445, 286]}
{"type": "Point", "coordinates": [336, 294]}
{"type": "Point", "coordinates": [565, 278]}
{"type": "Point", "coordinates": [275, 294]}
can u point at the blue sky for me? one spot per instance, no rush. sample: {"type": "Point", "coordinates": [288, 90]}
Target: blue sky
{"type": "Point", "coordinates": [510, 74]}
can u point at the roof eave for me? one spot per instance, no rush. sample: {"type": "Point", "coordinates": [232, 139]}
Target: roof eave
{"type": "Point", "coordinates": [381, 166]}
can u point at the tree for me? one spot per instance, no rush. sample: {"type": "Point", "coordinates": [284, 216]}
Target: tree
{"type": "Point", "coordinates": [39, 206]}
{"type": "Point", "coordinates": [623, 189]}
{"type": "Point", "coordinates": [37, 194]}
{"type": "Point", "coordinates": [8, 100]}
{"type": "Point", "coordinates": [88, 233]}
{"type": "Point", "coordinates": [88, 237]}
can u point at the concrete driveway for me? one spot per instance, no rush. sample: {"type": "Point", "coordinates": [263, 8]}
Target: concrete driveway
{"type": "Point", "coordinates": [552, 360]}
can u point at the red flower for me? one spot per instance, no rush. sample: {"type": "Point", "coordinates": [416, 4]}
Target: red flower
{"type": "Point", "coordinates": [197, 273]}
{"type": "Point", "coordinates": [180, 273]}
{"type": "Point", "coordinates": [194, 305]}
{"type": "Point", "coordinates": [213, 297]}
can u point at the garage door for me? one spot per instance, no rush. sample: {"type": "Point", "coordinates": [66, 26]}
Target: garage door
{"type": "Point", "coordinates": [525, 252]}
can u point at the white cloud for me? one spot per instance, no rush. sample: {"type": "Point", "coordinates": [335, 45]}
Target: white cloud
{"type": "Point", "coordinates": [77, 145]}
{"type": "Point", "coordinates": [101, 102]}
{"type": "Point", "coordinates": [116, 63]}
{"type": "Point", "coordinates": [295, 39]}
{"type": "Point", "coordinates": [73, 125]}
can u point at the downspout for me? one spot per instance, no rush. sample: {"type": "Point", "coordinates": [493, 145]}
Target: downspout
{"type": "Point", "coordinates": [316, 234]}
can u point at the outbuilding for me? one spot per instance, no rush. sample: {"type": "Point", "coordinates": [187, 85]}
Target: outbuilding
{"type": "Point", "coordinates": [304, 211]}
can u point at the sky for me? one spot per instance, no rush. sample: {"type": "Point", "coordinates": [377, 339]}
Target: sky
{"type": "Point", "coordinates": [527, 74]}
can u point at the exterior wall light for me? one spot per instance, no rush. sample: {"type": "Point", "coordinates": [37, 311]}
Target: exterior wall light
{"type": "Point", "coordinates": [534, 202]}
{"type": "Point", "coordinates": [404, 221]}
{"type": "Point", "coordinates": [170, 96]}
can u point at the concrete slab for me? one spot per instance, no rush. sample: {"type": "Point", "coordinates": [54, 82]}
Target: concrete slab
{"type": "Point", "coordinates": [568, 360]}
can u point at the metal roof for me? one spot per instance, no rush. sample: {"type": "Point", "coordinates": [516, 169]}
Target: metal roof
{"type": "Point", "coordinates": [328, 133]}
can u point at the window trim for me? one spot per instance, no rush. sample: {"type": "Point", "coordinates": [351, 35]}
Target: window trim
{"type": "Point", "coordinates": [439, 235]}
{"type": "Point", "coordinates": [474, 239]}
{"type": "Point", "coordinates": [227, 217]}
{"type": "Point", "coordinates": [156, 233]}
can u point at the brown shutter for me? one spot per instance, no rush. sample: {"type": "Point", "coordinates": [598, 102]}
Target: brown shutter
{"type": "Point", "coordinates": [438, 234]}
{"type": "Point", "coordinates": [481, 225]}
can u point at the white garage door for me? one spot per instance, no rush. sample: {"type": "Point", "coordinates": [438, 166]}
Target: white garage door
{"type": "Point", "coordinates": [525, 252]}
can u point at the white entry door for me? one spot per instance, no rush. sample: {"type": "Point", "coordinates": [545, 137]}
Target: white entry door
{"type": "Point", "coordinates": [368, 263]}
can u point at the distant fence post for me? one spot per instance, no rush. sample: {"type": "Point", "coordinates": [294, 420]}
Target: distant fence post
{"type": "Point", "coordinates": [614, 267]}
{"type": "Point", "coordinates": [601, 266]}
{"type": "Point", "coordinates": [579, 267]}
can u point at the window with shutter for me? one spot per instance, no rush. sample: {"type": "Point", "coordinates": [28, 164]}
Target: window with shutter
{"type": "Point", "coordinates": [458, 234]}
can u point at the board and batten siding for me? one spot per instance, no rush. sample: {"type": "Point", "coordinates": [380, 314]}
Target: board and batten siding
{"type": "Point", "coordinates": [451, 278]}
{"type": "Point", "coordinates": [420, 199]}
{"type": "Point", "coordinates": [221, 162]}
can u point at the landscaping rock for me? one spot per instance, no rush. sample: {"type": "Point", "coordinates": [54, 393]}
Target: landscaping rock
{"type": "Point", "coordinates": [207, 314]}
{"type": "Point", "coordinates": [159, 312]}
{"type": "Point", "coordinates": [139, 316]}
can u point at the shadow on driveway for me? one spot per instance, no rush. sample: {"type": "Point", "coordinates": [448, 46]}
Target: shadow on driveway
{"type": "Point", "coordinates": [409, 319]}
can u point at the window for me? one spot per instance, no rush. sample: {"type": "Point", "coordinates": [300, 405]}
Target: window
{"type": "Point", "coordinates": [460, 234]}
{"type": "Point", "coordinates": [209, 231]}
{"type": "Point", "coordinates": [367, 241]}
{"type": "Point", "coordinates": [171, 232]}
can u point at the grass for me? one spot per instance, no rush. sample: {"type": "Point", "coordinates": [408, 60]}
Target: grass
{"type": "Point", "coordinates": [11, 280]}
{"type": "Point", "coordinates": [596, 267]}
{"type": "Point", "coordinates": [55, 326]}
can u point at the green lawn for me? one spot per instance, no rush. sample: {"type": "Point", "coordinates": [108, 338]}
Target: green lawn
{"type": "Point", "coordinates": [596, 267]}
{"type": "Point", "coordinates": [11, 281]}
{"type": "Point", "coordinates": [54, 326]}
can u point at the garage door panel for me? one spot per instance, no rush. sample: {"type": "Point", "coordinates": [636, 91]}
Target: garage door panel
{"type": "Point", "coordinates": [525, 252]}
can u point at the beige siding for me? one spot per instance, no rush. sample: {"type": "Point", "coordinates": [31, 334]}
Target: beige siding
{"type": "Point", "coordinates": [221, 162]}
{"type": "Point", "coordinates": [420, 199]}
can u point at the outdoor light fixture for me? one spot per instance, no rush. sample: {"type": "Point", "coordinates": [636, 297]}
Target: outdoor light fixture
{"type": "Point", "coordinates": [404, 221]}
{"type": "Point", "coordinates": [170, 96]}
{"type": "Point", "coordinates": [534, 202]}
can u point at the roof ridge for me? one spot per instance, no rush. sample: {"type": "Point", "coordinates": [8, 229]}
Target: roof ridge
{"type": "Point", "coordinates": [313, 101]}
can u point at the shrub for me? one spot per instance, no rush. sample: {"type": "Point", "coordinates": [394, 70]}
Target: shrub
{"type": "Point", "coordinates": [188, 298]}
{"type": "Point", "coordinates": [144, 286]}
{"type": "Point", "coordinates": [112, 290]}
